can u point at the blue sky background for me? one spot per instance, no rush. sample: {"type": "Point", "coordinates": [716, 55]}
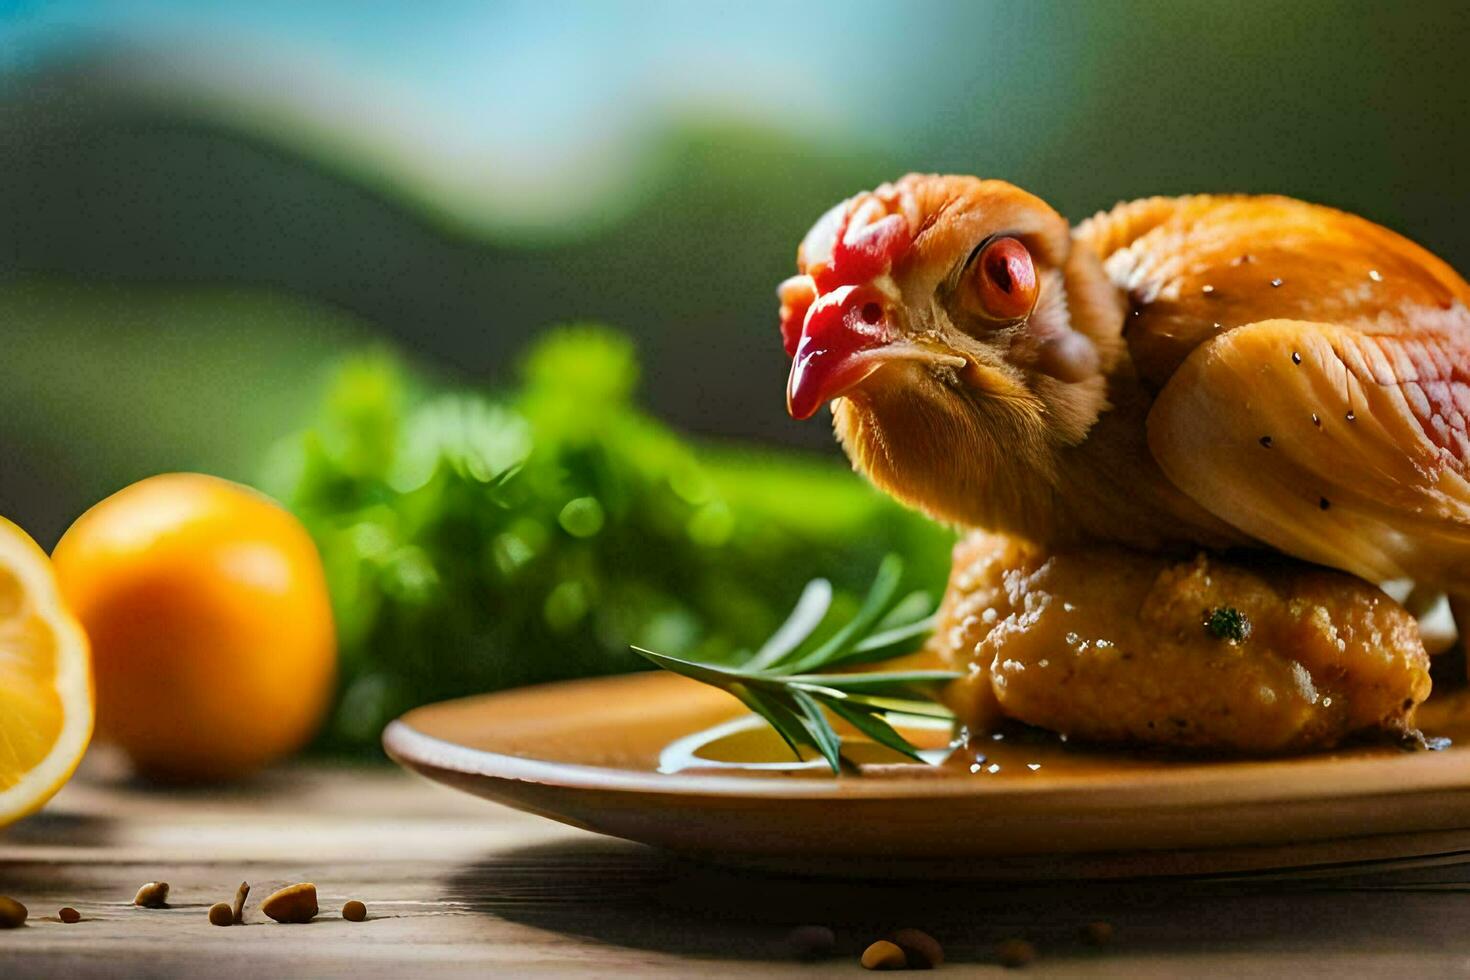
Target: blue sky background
{"type": "Point", "coordinates": [525, 73]}
{"type": "Point", "coordinates": [495, 106]}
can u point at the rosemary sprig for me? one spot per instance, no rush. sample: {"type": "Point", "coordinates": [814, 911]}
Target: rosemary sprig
{"type": "Point", "coordinates": [789, 682]}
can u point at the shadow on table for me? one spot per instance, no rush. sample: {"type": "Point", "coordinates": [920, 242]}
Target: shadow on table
{"type": "Point", "coordinates": [633, 896]}
{"type": "Point", "coordinates": [60, 829]}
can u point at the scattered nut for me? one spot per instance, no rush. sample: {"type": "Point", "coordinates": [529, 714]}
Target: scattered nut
{"type": "Point", "coordinates": [238, 912]}
{"type": "Point", "coordinates": [12, 913]}
{"type": "Point", "coordinates": [1097, 933]}
{"type": "Point", "coordinates": [294, 903]}
{"type": "Point", "coordinates": [811, 942]}
{"type": "Point", "coordinates": [69, 915]}
{"type": "Point", "coordinates": [220, 914]}
{"type": "Point", "coordinates": [153, 895]}
{"type": "Point", "coordinates": [1015, 953]}
{"type": "Point", "coordinates": [354, 911]}
{"type": "Point", "coordinates": [884, 955]}
{"type": "Point", "coordinates": [922, 950]}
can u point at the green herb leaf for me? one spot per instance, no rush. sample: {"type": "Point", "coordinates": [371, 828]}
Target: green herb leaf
{"type": "Point", "coordinates": [890, 643]}
{"type": "Point", "coordinates": [872, 724]}
{"type": "Point", "coordinates": [906, 685]}
{"type": "Point", "coordinates": [779, 714]}
{"type": "Point", "coordinates": [819, 728]}
{"type": "Point", "coordinates": [722, 677]}
{"type": "Point", "coordinates": [878, 602]}
{"type": "Point", "coordinates": [1227, 623]}
{"type": "Point", "coordinates": [777, 683]}
{"type": "Point", "coordinates": [810, 609]}
{"type": "Point", "coordinates": [916, 606]}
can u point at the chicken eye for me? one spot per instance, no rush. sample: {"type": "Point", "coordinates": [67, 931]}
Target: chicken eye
{"type": "Point", "coordinates": [1002, 279]}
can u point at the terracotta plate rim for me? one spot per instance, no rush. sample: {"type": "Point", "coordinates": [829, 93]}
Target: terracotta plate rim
{"type": "Point", "coordinates": [1292, 779]}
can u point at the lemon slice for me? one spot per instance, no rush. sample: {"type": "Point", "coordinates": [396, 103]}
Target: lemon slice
{"type": "Point", "coordinates": [45, 680]}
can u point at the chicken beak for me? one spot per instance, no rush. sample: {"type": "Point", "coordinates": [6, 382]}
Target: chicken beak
{"type": "Point", "coordinates": [840, 327]}
{"type": "Point", "coordinates": [848, 334]}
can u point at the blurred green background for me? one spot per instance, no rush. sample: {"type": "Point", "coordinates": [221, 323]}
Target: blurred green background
{"type": "Point", "coordinates": [295, 244]}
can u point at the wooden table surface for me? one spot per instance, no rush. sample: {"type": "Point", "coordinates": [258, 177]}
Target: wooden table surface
{"type": "Point", "coordinates": [456, 886]}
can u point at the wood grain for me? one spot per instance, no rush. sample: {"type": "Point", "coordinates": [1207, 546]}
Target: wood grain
{"type": "Point", "coordinates": [455, 886]}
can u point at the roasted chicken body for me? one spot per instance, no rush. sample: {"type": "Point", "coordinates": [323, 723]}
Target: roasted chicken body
{"type": "Point", "coordinates": [1211, 375]}
{"type": "Point", "coordinates": [1173, 374]}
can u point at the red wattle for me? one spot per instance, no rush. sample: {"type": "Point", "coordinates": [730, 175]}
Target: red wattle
{"type": "Point", "coordinates": [796, 295]}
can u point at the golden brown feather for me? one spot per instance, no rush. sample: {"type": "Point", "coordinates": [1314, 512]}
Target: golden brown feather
{"type": "Point", "coordinates": [1130, 405]}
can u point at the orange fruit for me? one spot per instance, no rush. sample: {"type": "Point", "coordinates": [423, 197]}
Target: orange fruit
{"type": "Point", "coordinates": [45, 679]}
{"type": "Point", "coordinates": [211, 628]}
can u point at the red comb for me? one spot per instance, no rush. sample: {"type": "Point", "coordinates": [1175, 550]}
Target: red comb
{"type": "Point", "coordinates": [870, 241]}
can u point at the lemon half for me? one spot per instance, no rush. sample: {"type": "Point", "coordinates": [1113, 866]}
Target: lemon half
{"type": "Point", "coordinates": [45, 680]}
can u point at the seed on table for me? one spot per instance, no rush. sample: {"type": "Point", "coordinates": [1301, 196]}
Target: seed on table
{"type": "Point", "coordinates": [1015, 953]}
{"type": "Point", "coordinates": [153, 895]}
{"type": "Point", "coordinates": [294, 903]}
{"type": "Point", "coordinates": [922, 950]}
{"type": "Point", "coordinates": [12, 913]}
{"type": "Point", "coordinates": [811, 942]}
{"type": "Point", "coordinates": [1097, 933]}
{"type": "Point", "coordinates": [354, 911]}
{"type": "Point", "coordinates": [69, 915]}
{"type": "Point", "coordinates": [238, 912]}
{"type": "Point", "coordinates": [220, 914]}
{"type": "Point", "coordinates": [884, 955]}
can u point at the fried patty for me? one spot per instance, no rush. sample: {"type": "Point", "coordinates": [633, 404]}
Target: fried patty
{"type": "Point", "coordinates": [1106, 645]}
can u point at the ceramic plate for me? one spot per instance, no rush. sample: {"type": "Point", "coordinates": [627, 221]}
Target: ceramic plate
{"type": "Point", "coordinates": [660, 759]}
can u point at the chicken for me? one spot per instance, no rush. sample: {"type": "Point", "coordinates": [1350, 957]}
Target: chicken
{"type": "Point", "coordinates": [1110, 645]}
{"type": "Point", "coordinates": [1175, 374]}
